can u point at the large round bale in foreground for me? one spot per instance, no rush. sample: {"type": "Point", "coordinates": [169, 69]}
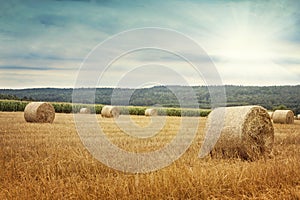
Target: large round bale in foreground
{"type": "Point", "coordinates": [110, 111]}
{"type": "Point", "coordinates": [151, 112]}
{"type": "Point", "coordinates": [85, 111]}
{"type": "Point", "coordinates": [283, 117]}
{"type": "Point", "coordinates": [246, 132]}
{"type": "Point", "coordinates": [39, 112]}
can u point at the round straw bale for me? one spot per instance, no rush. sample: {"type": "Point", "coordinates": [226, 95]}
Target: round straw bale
{"type": "Point", "coordinates": [283, 117]}
{"type": "Point", "coordinates": [246, 132]}
{"type": "Point", "coordinates": [110, 111]}
{"type": "Point", "coordinates": [298, 116]}
{"type": "Point", "coordinates": [85, 111]}
{"type": "Point", "coordinates": [39, 112]}
{"type": "Point", "coordinates": [271, 114]}
{"type": "Point", "coordinates": [151, 112]}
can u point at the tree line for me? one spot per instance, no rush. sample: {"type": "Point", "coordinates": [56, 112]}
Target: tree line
{"type": "Point", "coordinates": [15, 106]}
{"type": "Point", "coordinates": [270, 97]}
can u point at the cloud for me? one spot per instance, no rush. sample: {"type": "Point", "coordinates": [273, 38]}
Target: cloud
{"type": "Point", "coordinates": [52, 20]}
{"type": "Point", "coordinates": [56, 35]}
{"type": "Point", "coordinates": [27, 68]}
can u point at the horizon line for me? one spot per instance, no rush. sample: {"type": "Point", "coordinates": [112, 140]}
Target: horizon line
{"type": "Point", "coordinates": [111, 87]}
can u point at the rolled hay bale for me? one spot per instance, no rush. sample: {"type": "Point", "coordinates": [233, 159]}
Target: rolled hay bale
{"type": "Point", "coordinates": [244, 132]}
{"type": "Point", "coordinates": [283, 117]}
{"type": "Point", "coordinates": [39, 112]}
{"type": "Point", "coordinates": [85, 111]}
{"type": "Point", "coordinates": [298, 116]}
{"type": "Point", "coordinates": [151, 112]}
{"type": "Point", "coordinates": [271, 114]}
{"type": "Point", "coordinates": [110, 111]}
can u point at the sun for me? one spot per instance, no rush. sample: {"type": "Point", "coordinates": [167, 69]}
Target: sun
{"type": "Point", "coordinates": [250, 33]}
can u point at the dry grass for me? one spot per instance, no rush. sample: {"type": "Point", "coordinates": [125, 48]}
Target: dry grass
{"type": "Point", "coordinates": [48, 161]}
{"type": "Point", "coordinates": [283, 116]}
{"type": "Point", "coordinates": [39, 112]}
{"type": "Point", "coordinates": [247, 132]}
{"type": "Point", "coordinates": [150, 112]}
{"type": "Point", "coordinates": [110, 111]}
{"type": "Point", "coordinates": [85, 111]}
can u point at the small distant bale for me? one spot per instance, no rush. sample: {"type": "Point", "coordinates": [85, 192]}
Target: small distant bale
{"type": "Point", "coordinates": [246, 132]}
{"type": "Point", "coordinates": [298, 116]}
{"type": "Point", "coordinates": [110, 112]}
{"type": "Point", "coordinates": [271, 114]}
{"type": "Point", "coordinates": [283, 117]}
{"type": "Point", "coordinates": [151, 112]}
{"type": "Point", "coordinates": [85, 111]}
{"type": "Point", "coordinates": [39, 112]}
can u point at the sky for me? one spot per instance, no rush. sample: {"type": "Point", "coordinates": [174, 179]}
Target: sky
{"type": "Point", "coordinates": [51, 43]}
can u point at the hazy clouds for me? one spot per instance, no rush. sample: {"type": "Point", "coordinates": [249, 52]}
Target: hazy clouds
{"type": "Point", "coordinates": [43, 43]}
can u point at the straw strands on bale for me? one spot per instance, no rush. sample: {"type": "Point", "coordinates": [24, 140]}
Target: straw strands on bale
{"type": "Point", "coordinates": [151, 112]}
{"type": "Point", "coordinates": [283, 117]}
{"type": "Point", "coordinates": [85, 111]}
{"type": "Point", "coordinates": [39, 112]}
{"type": "Point", "coordinates": [110, 111]}
{"type": "Point", "coordinates": [245, 132]}
{"type": "Point", "coordinates": [271, 114]}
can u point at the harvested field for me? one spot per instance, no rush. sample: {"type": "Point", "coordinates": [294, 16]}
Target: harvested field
{"type": "Point", "coordinates": [48, 161]}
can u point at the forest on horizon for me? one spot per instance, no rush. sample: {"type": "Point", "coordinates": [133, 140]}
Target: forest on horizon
{"type": "Point", "coordinates": [270, 97]}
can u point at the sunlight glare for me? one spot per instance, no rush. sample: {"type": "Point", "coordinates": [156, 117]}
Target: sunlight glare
{"type": "Point", "coordinates": [246, 45]}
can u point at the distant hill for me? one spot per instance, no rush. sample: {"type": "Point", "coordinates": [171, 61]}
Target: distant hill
{"type": "Point", "coordinates": [271, 97]}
